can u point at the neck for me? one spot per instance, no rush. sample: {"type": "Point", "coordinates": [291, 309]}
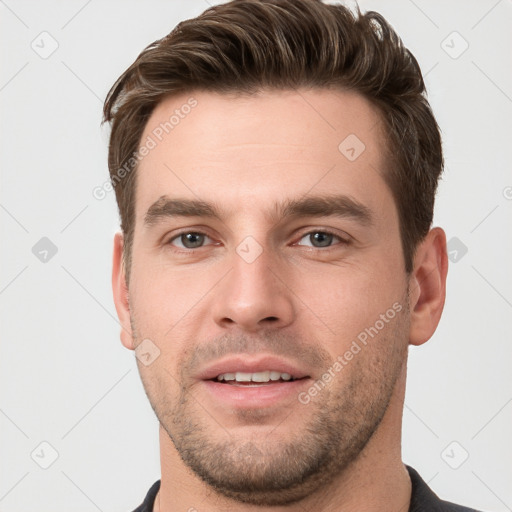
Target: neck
{"type": "Point", "coordinates": [375, 481]}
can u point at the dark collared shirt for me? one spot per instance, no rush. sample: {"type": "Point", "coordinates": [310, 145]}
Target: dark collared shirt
{"type": "Point", "coordinates": [423, 499]}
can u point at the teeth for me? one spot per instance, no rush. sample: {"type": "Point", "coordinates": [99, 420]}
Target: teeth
{"type": "Point", "coordinates": [265, 376]}
{"type": "Point", "coordinates": [260, 377]}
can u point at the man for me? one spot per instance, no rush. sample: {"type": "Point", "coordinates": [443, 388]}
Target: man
{"type": "Point", "coordinates": [275, 165]}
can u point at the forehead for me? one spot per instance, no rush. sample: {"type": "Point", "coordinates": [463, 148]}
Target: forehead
{"type": "Point", "coordinates": [241, 150]}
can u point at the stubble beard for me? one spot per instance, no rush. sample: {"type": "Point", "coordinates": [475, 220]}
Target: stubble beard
{"type": "Point", "coordinates": [269, 471]}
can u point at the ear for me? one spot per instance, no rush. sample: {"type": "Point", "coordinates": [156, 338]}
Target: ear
{"type": "Point", "coordinates": [428, 286]}
{"type": "Point", "coordinates": [120, 290]}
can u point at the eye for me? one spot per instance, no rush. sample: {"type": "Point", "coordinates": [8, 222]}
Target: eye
{"type": "Point", "coordinates": [189, 240]}
{"type": "Point", "coordinates": [320, 239]}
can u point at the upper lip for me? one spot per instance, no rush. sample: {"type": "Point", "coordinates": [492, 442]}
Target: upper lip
{"type": "Point", "coordinates": [250, 364]}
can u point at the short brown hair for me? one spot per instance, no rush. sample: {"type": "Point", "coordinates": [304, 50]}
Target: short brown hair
{"type": "Point", "coordinates": [248, 45]}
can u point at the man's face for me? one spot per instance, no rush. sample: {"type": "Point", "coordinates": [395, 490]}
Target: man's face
{"type": "Point", "coordinates": [276, 285]}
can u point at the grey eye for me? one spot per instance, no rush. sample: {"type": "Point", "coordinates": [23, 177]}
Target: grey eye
{"type": "Point", "coordinates": [318, 239]}
{"type": "Point", "coordinates": [190, 240]}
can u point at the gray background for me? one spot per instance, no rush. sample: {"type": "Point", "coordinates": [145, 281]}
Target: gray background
{"type": "Point", "coordinates": [67, 381]}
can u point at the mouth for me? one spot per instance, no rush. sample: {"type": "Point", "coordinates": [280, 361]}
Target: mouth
{"type": "Point", "coordinates": [253, 381]}
{"type": "Point", "coordinates": [256, 379]}
{"type": "Point", "coordinates": [254, 369]}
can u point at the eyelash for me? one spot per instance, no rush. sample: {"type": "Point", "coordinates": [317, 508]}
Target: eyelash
{"type": "Point", "coordinates": [184, 232]}
{"type": "Point", "coordinates": [342, 241]}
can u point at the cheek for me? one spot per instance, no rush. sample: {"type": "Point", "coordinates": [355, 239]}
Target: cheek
{"type": "Point", "coordinates": [165, 299]}
{"type": "Point", "coordinates": [165, 291]}
{"type": "Point", "coordinates": [343, 301]}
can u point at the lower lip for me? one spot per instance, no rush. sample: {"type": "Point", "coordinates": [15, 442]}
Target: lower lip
{"type": "Point", "coordinates": [247, 396]}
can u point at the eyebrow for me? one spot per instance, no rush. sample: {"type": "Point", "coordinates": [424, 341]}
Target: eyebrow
{"type": "Point", "coordinates": [325, 206]}
{"type": "Point", "coordinates": [314, 206]}
{"type": "Point", "coordinates": [165, 207]}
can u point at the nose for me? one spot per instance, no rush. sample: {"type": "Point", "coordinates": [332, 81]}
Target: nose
{"type": "Point", "coordinates": [254, 296]}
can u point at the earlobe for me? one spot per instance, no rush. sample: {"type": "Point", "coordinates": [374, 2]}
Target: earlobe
{"type": "Point", "coordinates": [427, 287]}
{"type": "Point", "coordinates": [120, 291]}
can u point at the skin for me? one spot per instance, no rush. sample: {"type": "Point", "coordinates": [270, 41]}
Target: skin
{"type": "Point", "coordinates": [304, 303]}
